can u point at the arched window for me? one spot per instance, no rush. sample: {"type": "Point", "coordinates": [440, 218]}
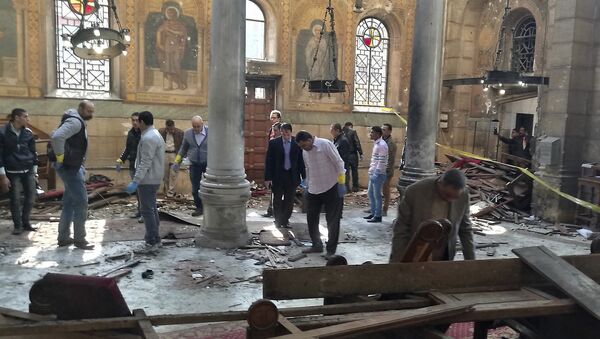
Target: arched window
{"type": "Point", "coordinates": [73, 73]}
{"type": "Point", "coordinates": [371, 61]}
{"type": "Point", "coordinates": [524, 45]}
{"type": "Point", "coordinates": [255, 31]}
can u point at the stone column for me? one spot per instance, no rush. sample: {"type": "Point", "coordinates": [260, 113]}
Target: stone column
{"type": "Point", "coordinates": [224, 189]}
{"type": "Point", "coordinates": [567, 104]}
{"type": "Point", "coordinates": [425, 87]}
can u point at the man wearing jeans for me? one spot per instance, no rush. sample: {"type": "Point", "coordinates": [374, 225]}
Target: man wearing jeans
{"type": "Point", "coordinates": [149, 171]}
{"type": "Point", "coordinates": [377, 173]}
{"type": "Point", "coordinates": [18, 168]}
{"type": "Point", "coordinates": [130, 152]}
{"type": "Point", "coordinates": [69, 144]}
{"type": "Point", "coordinates": [326, 181]}
{"type": "Point", "coordinates": [195, 148]}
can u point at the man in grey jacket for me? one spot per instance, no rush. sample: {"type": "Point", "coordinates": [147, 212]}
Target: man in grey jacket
{"type": "Point", "coordinates": [444, 197]}
{"type": "Point", "coordinates": [149, 171]}
{"type": "Point", "coordinates": [194, 147]}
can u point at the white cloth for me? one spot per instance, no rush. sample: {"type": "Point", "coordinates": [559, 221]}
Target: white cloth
{"type": "Point", "coordinates": [323, 166]}
{"type": "Point", "coordinates": [379, 158]}
{"type": "Point", "coordinates": [170, 143]}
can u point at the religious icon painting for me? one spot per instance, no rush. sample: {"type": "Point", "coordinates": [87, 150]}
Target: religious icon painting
{"type": "Point", "coordinates": [83, 7]}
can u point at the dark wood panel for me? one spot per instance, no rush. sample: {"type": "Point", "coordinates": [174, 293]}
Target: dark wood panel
{"type": "Point", "coordinates": [455, 276]}
{"type": "Point", "coordinates": [565, 276]}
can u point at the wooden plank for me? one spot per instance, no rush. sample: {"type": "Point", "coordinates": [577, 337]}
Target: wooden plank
{"type": "Point", "coordinates": [283, 321]}
{"type": "Point", "coordinates": [449, 276]}
{"type": "Point", "coordinates": [569, 279]}
{"type": "Point", "coordinates": [399, 319]}
{"type": "Point", "coordinates": [484, 312]}
{"type": "Point", "coordinates": [195, 318]}
{"type": "Point", "coordinates": [145, 326]}
{"type": "Point", "coordinates": [24, 315]}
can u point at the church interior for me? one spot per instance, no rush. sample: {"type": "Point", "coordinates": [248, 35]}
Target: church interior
{"type": "Point", "coordinates": [493, 101]}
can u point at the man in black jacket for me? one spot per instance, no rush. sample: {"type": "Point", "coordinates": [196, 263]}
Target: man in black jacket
{"type": "Point", "coordinates": [343, 146]}
{"type": "Point", "coordinates": [284, 169]}
{"type": "Point", "coordinates": [130, 152]}
{"type": "Point", "coordinates": [356, 153]}
{"type": "Point", "coordinates": [18, 168]}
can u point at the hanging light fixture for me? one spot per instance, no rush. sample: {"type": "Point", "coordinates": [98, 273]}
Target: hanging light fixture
{"type": "Point", "coordinates": [324, 79]}
{"type": "Point", "coordinates": [95, 42]}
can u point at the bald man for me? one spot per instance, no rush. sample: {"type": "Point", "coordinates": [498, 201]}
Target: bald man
{"type": "Point", "coordinates": [69, 145]}
{"type": "Point", "coordinates": [194, 147]}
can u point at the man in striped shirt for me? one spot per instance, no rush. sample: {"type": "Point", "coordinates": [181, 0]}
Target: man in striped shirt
{"type": "Point", "coordinates": [377, 173]}
{"type": "Point", "coordinates": [325, 181]}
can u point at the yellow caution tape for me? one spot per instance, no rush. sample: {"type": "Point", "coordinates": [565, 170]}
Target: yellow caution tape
{"type": "Point", "coordinates": [582, 203]}
{"type": "Point", "coordinates": [528, 173]}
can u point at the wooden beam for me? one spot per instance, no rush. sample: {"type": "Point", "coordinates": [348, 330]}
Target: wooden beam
{"type": "Point", "coordinates": [455, 276]}
{"type": "Point", "coordinates": [283, 321]}
{"type": "Point", "coordinates": [145, 326]}
{"type": "Point", "coordinates": [195, 318]}
{"type": "Point", "coordinates": [569, 279]}
{"type": "Point", "coordinates": [24, 315]}
{"type": "Point", "coordinates": [395, 320]}
{"type": "Point", "coordinates": [483, 312]}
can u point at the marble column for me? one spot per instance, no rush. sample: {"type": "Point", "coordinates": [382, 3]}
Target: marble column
{"type": "Point", "coordinates": [425, 92]}
{"type": "Point", "coordinates": [224, 189]}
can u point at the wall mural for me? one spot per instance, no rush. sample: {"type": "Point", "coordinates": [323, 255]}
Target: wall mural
{"type": "Point", "coordinates": [170, 51]}
{"type": "Point", "coordinates": [307, 44]}
{"type": "Point", "coordinates": [8, 42]}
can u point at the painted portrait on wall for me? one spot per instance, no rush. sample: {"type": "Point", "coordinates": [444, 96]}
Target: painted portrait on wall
{"type": "Point", "coordinates": [314, 60]}
{"type": "Point", "coordinates": [8, 42]}
{"type": "Point", "coordinates": [171, 40]}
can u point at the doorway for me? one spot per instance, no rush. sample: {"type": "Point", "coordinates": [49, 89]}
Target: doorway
{"type": "Point", "coordinates": [525, 120]}
{"type": "Point", "coordinates": [260, 101]}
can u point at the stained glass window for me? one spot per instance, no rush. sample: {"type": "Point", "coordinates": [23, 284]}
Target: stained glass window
{"type": "Point", "coordinates": [524, 46]}
{"type": "Point", "coordinates": [73, 73]}
{"type": "Point", "coordinates": [255, 31]}
{"type": "Point", "coordinates": [371, 61]}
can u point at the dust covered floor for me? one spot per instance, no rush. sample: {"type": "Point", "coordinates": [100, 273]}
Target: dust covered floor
{"type": "Point", "coordinates": [189, 279]}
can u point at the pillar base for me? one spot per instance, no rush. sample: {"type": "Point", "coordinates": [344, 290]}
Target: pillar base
{"type": "Point", "coordinates": [410, 175]}
{"type": "Point", "coordinates": [549, 205]}
{"type": "Point", "coordinates": [224, 199]}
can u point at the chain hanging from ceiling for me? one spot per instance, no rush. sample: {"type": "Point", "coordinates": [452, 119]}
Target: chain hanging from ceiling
{"type": "Point", "coordinates": [322, 76]}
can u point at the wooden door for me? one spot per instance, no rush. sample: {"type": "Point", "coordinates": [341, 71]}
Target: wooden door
{"type": "Point", "coordinates": [260, 101]}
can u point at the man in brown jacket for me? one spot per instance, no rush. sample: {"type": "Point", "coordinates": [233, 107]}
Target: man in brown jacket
{"type": "Point", "coordinates": [444, 197]}
{"type": "Point", "coordinates": [173, 138]}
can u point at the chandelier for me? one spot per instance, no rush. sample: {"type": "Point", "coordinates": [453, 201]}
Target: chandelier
{"type": "Point", "coordinates": [95, 42]}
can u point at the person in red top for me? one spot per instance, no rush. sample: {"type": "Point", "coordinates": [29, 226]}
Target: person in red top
{"type": "Point", "coordinates": [273, 132]}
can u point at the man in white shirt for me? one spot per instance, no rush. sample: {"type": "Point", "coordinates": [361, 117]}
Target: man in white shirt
{"type": "Point", "coordinates": [325, 180]}
{"type": "Point", "coordinates": [377, 173]}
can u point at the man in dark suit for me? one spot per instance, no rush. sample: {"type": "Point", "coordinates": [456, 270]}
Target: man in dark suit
{"type": "Point", "coordinates": [356, 153]}
{"type": "Point", "coordinates": [284, 169]}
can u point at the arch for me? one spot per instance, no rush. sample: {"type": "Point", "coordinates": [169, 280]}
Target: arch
{"type": "Point", "coordinates": [269, 37]}
{"type": "Point", "coordinates": [523, 45]}
{"type": "Point", "coordinates": [393, 21]}
{"type": "Point", "coordinates": [372, 46]}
